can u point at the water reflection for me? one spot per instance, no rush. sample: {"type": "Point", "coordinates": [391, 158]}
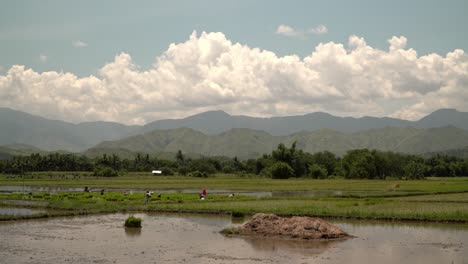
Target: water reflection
{"type": "Point", "coordinates": [36, 189]}
{"type": "Point", "coordinates": [12, 211]}
{"type": "Point", "coordinates": [132, 232]}
{"type": "Point", "coordinates": [307, 247]}
{"type": "Point", "coordinates": [238, 219]}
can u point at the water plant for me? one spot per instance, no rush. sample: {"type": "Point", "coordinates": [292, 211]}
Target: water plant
{"type": "Point", "coordinates": [133, 221]}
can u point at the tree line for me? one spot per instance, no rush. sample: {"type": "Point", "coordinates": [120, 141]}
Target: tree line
{"type": "Point", "coordinates": [284, 162]}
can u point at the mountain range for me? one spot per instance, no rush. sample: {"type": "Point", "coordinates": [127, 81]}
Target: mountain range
{"type": "Point", "coordinates": [226, 133]}
{"type": "Point", "coordinates": [21, 128]}
{"type": "Point", "coordinates": [215, 122]}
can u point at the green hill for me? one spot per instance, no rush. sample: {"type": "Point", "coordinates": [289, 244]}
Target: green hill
{"type": "Point", "coordinates": [246, 143]}
{"type": "Point", "coordinates": [8, 151]}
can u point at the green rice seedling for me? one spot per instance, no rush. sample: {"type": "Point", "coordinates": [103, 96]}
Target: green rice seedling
{"type": "Point", "coordinates": [133, 221]}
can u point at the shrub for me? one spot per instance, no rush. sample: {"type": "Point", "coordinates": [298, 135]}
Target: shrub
{"type": "Point", "coordinates": [183, 170]}
{"type": "Point", "coordinates": [202, 165]}
{"type": "Point", "coordinates": [133, 221]}
{"type": "Point", "coordinates": [198, 174]}
{"type": "Point", "coordinates": [244, 174]}
{"type": "Point", "coordinates": [166, 171]}
{"type": "Point", "coordinates": [281, 170]}
{"type": "Point", "coordinates": [414, 170]}
{"type": "Point", "coordinates": [317, 172]}
{"type": "Point", "coordinates": [102, 171]}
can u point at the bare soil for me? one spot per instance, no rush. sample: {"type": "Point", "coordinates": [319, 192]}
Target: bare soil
{"type": "Point", "coordinates": [298, 227]}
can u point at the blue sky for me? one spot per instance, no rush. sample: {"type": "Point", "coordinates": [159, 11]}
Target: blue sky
{"type": "Point", "coordinates": [138, 61]}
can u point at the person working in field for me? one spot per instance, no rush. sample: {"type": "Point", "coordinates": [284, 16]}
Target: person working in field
{"type": "Point", "coordinates": [147, 196]}
{"type": "Point", "coordinates": [203, 194]}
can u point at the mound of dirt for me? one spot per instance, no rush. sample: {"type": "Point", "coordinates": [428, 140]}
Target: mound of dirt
{"type": "Point", "coordinates": [299, 227]}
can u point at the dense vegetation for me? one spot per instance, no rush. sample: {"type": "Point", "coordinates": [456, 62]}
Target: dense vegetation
{"type": "Point", "coordinates": [282, 163]}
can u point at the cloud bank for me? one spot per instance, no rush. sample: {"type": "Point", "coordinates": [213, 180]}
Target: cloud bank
{"type": "Point", "coordinates": [209, 72]}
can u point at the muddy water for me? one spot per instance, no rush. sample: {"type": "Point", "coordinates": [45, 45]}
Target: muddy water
{"type": "Point", "coordinates": [173, 238]}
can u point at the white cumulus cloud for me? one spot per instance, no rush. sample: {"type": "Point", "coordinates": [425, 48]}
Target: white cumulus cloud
{"type": "Point", "coordinates": [43, 58]}
{"type": "Point", "coordinates": [208, 72]}
{"type": "Point", "coordinates": [288, 31]}
{"type": "Point", "coordinates": [79, 44]}
{"type": "Point", "coordinates": [320, 29]}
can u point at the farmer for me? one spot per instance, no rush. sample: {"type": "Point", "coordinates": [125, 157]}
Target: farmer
{"type": "Point", "coordinates": [147, 196]}
{"type": "Point", "coordinates": [203, 194]}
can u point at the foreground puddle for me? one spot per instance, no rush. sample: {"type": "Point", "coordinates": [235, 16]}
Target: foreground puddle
{"type": "Point", "coordinates": [174, 238]}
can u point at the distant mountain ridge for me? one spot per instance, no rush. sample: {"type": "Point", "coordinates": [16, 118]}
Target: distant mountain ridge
{"type": "Point", "coordinates": [215, 122]}
{"type": "Point", "coordinates": [51, 135]}
{"type": "Point", "coordinates": [46, 134]}
{"type": "Point", "coordinates": [247, 143]}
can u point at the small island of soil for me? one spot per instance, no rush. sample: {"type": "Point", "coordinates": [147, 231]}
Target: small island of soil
{"type": "Point", "coordinates": [297, 227]}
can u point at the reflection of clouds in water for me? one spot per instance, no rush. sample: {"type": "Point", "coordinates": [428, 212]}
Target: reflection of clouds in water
{"type": "Point", "coordinates": [306, 247]}
{"type": "Point", "coordinates": [18, 211]}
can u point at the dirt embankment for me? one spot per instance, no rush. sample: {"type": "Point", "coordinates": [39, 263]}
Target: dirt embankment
{"type": "Point", "coordinates": [299, 227]}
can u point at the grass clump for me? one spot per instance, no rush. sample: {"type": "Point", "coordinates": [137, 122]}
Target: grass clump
{"type": "Point", "coordinates": [230, 231]}
{"type": "Point", "coordinates": [133, 221]}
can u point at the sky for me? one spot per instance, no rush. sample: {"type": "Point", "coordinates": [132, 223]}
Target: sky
{"type": "Point", "coordinates": [140, 61]}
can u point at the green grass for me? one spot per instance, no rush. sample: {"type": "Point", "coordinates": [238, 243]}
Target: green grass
{"type": "Point", "coordinates": [368, 208]}
{"type": "Point", "coordinates": [450, 197]}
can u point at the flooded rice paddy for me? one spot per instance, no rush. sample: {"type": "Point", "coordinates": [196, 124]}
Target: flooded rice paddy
{"type": "Point", "coordinates": [185, 238]}
{"type": "Point", "coordinates": [308, 193]}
